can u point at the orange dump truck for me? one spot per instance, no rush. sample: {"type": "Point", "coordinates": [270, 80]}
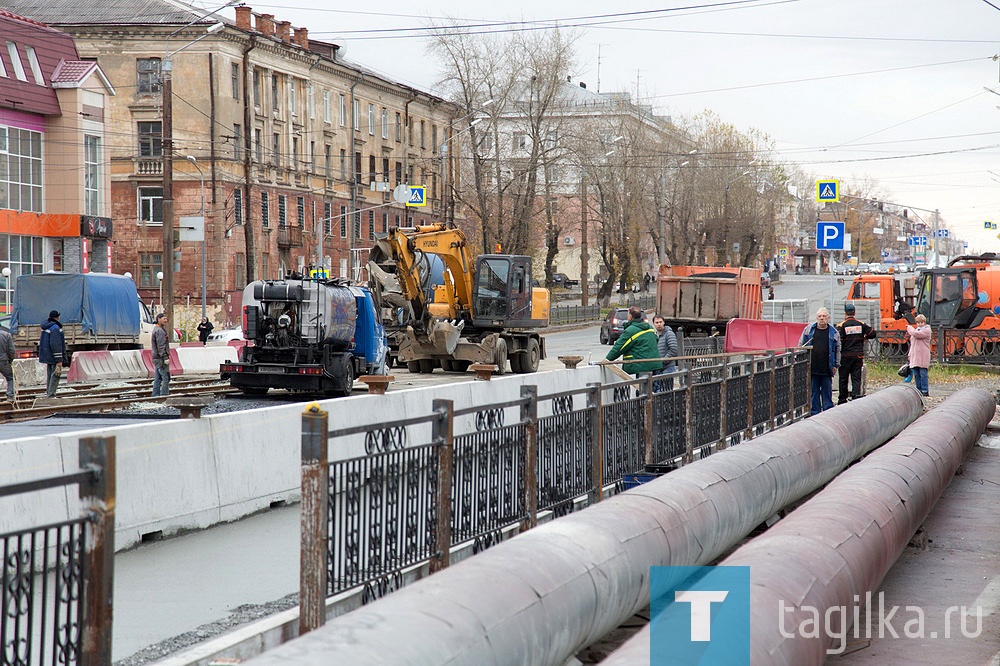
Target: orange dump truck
{"type": "Point", "coordinates": [697, 299]}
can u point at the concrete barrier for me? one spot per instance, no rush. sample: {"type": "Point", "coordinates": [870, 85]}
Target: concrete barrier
{"type": "Point", "coordinates": [129, 363]}
{"type": "Point", "coordinates": [89, 366]}
{"type": "Point", "coordinates": [175, 364]}
{"type": "Point", "coordinates": [204, 360]}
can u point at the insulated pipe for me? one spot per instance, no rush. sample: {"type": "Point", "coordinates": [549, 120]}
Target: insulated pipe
{"type": "Point", "coordinates": [542, 596]}
{"type": "Point", "coordinates": [840, 544]}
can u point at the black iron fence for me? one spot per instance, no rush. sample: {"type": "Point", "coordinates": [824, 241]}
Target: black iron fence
{"type": "Point", "coordinates": [949, 346]}
{"type": "Point", "coordinates": [571, 314]}
{"type": "Point", "coordinates": [55, 599]}
{"type": "Point", "coordinates": [468, 475]}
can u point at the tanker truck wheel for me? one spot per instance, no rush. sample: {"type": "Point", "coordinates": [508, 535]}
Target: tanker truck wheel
{"type": "Point", "coordinates": [500, 356]}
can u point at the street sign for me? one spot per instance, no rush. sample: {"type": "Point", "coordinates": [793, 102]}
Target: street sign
{"type": "Point", "coordinates": [319, 273]}
{"type": "Point", "coordinates": [989, 225]}
{"type": "Point", "coordinates": [401, 194]}
{"type": "Point", "coordinates": [943, 233]}
{"type": "Point", "coordinates": [783, 252]}
{"type": "Point", "coordinates": [885, 254]}
{"type": "Point", "coordinates": [192, 228]}
{"type": "Point", "coordinates": [827, 190]}
{"type": "Point", "coordinates": [830, 235]}
{"type": "Point", "coordinates": [418, 196]}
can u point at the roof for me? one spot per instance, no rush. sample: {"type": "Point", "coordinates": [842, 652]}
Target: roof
{"type": "Point", "coordinates": [51, 47]}
{"type": "Point", "coordinates": [83, 12]}
{"type": "Point", "coordinates": [73, 73]}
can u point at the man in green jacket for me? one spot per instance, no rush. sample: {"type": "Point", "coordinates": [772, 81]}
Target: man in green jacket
{"type": "Point", "coordinates": [637, 341]}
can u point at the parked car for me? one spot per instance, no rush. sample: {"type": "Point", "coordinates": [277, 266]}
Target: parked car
{"type": "Point", "coordinates": [563, 280]}
{"type": "Point", "coordinates": [220, 338]}
{"type": "Point", "coordinates": [765, 279]}
{"type": "Point", "coordinates": [613, 325]}
{"type": "Point", "coordinates": [843, 269]}
{"type": "Point", "coordinates": [902, 268]}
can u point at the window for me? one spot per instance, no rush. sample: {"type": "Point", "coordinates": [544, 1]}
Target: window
{"type": "Point", "coordinates": [343, 221]}
{"type": "Point", "coordinates": [294, 161]}
{"type": "Point", "coordinates": [385, 123]}
{"type": "Point", "coordinates": [150, 139]}
{"type": "Point", "coordinates": [275, 94]}
{"type": "Point", "coordinates": [234, 78]}
{"type": "Point", "coordinates": [15, 59]}
{"type": "Point", "coordinates": [354, 115]}
{"type": "Point", "coordinates": [239, 270]}
{"type": "Point", "coordinates": [371, 225]}
{"type": "Point", "coordinates": [434, 186]}
{"type": "Point", "coordinates": [357, 167]}
{"type": "Point", "coordinates": [265, 209]}
{"type": "Point", "coordinates": [326, 106]}
{"type": "Point", "coordinates": [312, 156]}
{"type": "Point", "coordinates": [3, 69]}
{"type": "Point", "coordinates": [343, 164]}
{"type": "Point", "coordinates": [147, 71]}
{"type": "Point", "coordinates": [399, 128]}
{"type": "Point", "coordinates": [551, 138]}
{"type": "Point", "coordinates": [300, 211]}
{"type": "Point", "coordinates": [399, 173]}
{"type": "Point", "coordinates": [423, 140]}
{"type": "Point", "coordinates": [385, 222]}
{"type": "Point", "coordinates": [357, 224]}
{"type": "Point", "coordinates": [371, 168]}
{"type": "Point", "coordinates": [282, 211]}
{"type": "Point", "coordinates": [151, 205]}
{"type": "Point", "coordinates": [256, 88]}
{"type": "Point", "coordinates": [92, 175]}
{"type": "Point", "coordinates": [434, 138]}
{"type": "Point", "coordinates": [238, 142]}
{"type": "Point", "coordinates": [327, 221]}
{"type": "Point", "coordinates": [36, 71]}
{"type": "Point", "coordinates": [343, 110]}
{"type": "Point", "coordinates": [371, 119]}
{"type": "Point", "coordinates": [238, 206]}
{"type": "Point", "coordinates": [311, 100]}
{"type": "Point", "coordinates": [326, 160]}
{"type": "Point", "coordinates": [276, 149]}
{"type": "Point", "coordinates": [521, 140]}
{"type": "Point", "coordinates": [150, 264]}
{"type": "Point", "coordinates": [293, 94]}
{"type": "Point", "coordinates": [265, 266]}
{"type": "Point", "coordinates": [258, 142]}
{"type": "Point", "coordinates": [385, 169]}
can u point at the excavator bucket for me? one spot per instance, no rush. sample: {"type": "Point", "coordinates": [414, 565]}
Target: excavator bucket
{"type": "Point", "coordinates": [443, 335]}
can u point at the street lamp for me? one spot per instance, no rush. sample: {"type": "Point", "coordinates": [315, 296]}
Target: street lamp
{"type": "Point", "coordinates": [159, 278]}
{"type": "Point", "coordinates": [204, 269]}
{"type": "Point", "coordinates": [167, 141]}
{"type": "Point", "coordinates": [6, 281]}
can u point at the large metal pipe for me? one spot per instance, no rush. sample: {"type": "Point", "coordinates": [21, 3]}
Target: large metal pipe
{"type": "Point", "coordinates": [840, 544]}
{"type": "Point", "coordinates": [542, 596]}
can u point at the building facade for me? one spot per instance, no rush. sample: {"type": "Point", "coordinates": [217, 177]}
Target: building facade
{"type": "Point", "coordinates": [296, 150]}
{"type": "Point", "coordinates": [55, 209]}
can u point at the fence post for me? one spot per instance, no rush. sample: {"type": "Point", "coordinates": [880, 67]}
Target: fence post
{"type": "Point", "coordinates": [529, 416]}
{"type": "Point", "coordinates": [647, 430]}
{"type": "Point", "coordinates": [315, 521]}
{"type": "Point", "coordinates": [940, 346]}
{"type": "Point", "coordinates": [689, 417]}
{"type": "Point", "coordinates": [724, 400]}
{"type": "Point", "coordinates": [442, 433]}
{"type": "Point", "coordinates": [791, 384]}
{"type": "Point", "coordinates": [772, 361]}
{"type": "Point", "coordinates": [98, 496]}
{"type": "Point", "coordinates": [595, 404]}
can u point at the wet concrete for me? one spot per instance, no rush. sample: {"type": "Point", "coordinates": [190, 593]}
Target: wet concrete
{"type": "Point", "coordinates": [953, 562]}
{"type": "Point", "coordinates": [167, 588]}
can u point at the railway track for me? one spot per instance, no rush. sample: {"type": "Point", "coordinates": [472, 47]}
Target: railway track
{"type": "Point", "coordinates": [31, 402]}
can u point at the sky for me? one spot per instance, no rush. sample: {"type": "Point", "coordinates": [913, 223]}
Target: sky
{"type": "Point", "coordinates": [893, 91]}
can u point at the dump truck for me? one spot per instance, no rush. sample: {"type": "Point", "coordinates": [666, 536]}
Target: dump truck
{"type": "Point", "coordinates": [443, 307]}
{"type": "Point", "coordinates": [98, 311]}
{"type": "Point", "coordinates": [698, 299]}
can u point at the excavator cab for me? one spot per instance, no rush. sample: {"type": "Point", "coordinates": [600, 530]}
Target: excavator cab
{"type": "Point", "coordinates": [948, 298]}
{"type": "Point", "coordinates": [503, 295]}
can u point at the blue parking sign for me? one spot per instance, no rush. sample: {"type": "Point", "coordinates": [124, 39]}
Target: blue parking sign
{"type": "Point", "coordinates": [830, 235]}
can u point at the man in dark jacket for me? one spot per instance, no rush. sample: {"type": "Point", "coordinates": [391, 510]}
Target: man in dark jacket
{"type": "Point", "coordinates": [52, 352]}
{"type": "Point", "coordinates": [6, 357]}
{"type": "Point", "coordinates": [161, 356]}
{"type": "Point", "coordinates": [825, 342]}
{"type": "Point", "coordinates": [666, 342]}
{"type": "Point", "coordinates": [637, 341]}
{"type": "Point", "coordinates": [853, 333]}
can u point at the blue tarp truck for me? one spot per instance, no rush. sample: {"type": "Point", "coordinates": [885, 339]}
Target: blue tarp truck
{"type": "Point", "coordinates": [97, 311]}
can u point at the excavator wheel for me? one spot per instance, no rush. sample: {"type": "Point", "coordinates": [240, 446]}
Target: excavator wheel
{"type": "Point", "coordinates": [529, 361]}
{"type": "Point", "coordinates": [413, 366]}
{"type": "Point", "coordinates": [427, 365]}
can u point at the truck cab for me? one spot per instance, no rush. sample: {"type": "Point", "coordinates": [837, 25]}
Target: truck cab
{"type": "Point", "coordinates": [949, 297]}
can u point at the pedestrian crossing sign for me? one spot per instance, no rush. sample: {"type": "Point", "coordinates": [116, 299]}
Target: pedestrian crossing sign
{"type": "Point", "coordinates": [827, 190]}
{"type": "Point", "coordinates": [783, 252]}
{"type": "Point", "coordinates": [418, 196]}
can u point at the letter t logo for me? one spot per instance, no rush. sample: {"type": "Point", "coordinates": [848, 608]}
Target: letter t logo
{"type": "Point", "coordinates": [701, 610]}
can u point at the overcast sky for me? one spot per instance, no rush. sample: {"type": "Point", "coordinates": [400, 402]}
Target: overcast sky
{"type": "Point", "coordinates": [891, 90]}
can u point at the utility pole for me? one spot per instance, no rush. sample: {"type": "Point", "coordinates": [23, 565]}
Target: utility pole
{"type": "Point", "coordinates": [167, 145]}
{"type": "Point", "coordinates": [584, 256]}
{"type": "Point", "coordinates": [660, 218]}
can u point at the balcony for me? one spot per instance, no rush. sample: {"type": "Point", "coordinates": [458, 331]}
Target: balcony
{"type": "Point", "coordinates": [149, 166]}
{"type": "Point", "coordinates": [289, 237]}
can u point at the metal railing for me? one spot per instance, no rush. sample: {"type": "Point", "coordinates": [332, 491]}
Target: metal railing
{"type": "Point", "coordinates": [948, 346]}
{"type": "Point", "coordinates": [571, 314]}
{"type": "Point", "coordinates": [472, 474]}
{"type": "Point", "coordinates": [56, 594]}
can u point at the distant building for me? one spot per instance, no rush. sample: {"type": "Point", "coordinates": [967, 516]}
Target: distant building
{"type": "Point", "coordinates": [55, 210]}
{"type": "Point", "coordinates": [300, 149]}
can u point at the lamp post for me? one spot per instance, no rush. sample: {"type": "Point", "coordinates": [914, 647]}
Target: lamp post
{"type": "Point", "coordinates": [166, 91]}
{"type": "Point", "coordinates": [6, 281]}
{"type": "Point", "coordinates": [159, 278]}
{"type": "Point", "coordinates": [204, 231]}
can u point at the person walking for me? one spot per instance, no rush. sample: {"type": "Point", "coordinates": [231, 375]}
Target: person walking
{"type": "Point", "coordinates": [853, 333]}
{"type": "Point", "coordinates": [204, 330]}
{"type": "Point", "coordinates": [6, 358]}
{"type": "Point", "coordinates": [666, 343]}
{"type": "Point", "coordinates": [920, 353]}
{"type": "Point", "coordinates": [52, 352]}
{"type": "Point", "coordinates": [825, 342]}
{"type": "Point", "coordinates": [161, 357]}
{"type": "Point", "coordinates": [637, 341]}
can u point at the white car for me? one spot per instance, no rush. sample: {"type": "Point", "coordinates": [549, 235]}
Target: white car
{"type": "Point", "coordinates": [221, 338]}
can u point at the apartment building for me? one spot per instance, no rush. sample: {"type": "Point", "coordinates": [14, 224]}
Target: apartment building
{"type": "Point", "coordinates": [54, 181]}
{"type": "Point", "coordinates": [298, 149]}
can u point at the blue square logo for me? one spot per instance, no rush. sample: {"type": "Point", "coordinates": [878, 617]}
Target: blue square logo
{"type": "Point", "coordinates": [699, 615]}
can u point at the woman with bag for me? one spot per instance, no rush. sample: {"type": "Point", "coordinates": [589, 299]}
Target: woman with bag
{"type": "Point", "coordinates": [920, 352]}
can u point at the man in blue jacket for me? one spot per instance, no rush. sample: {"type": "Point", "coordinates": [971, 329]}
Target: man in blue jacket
{"type": "Point", "coordinates": [52, 352]}
{"type": "Point", "coordinates": [825, 342]}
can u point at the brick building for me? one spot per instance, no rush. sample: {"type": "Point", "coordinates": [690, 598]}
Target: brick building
{"type": "Point", "coordinates": [299, 149]}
